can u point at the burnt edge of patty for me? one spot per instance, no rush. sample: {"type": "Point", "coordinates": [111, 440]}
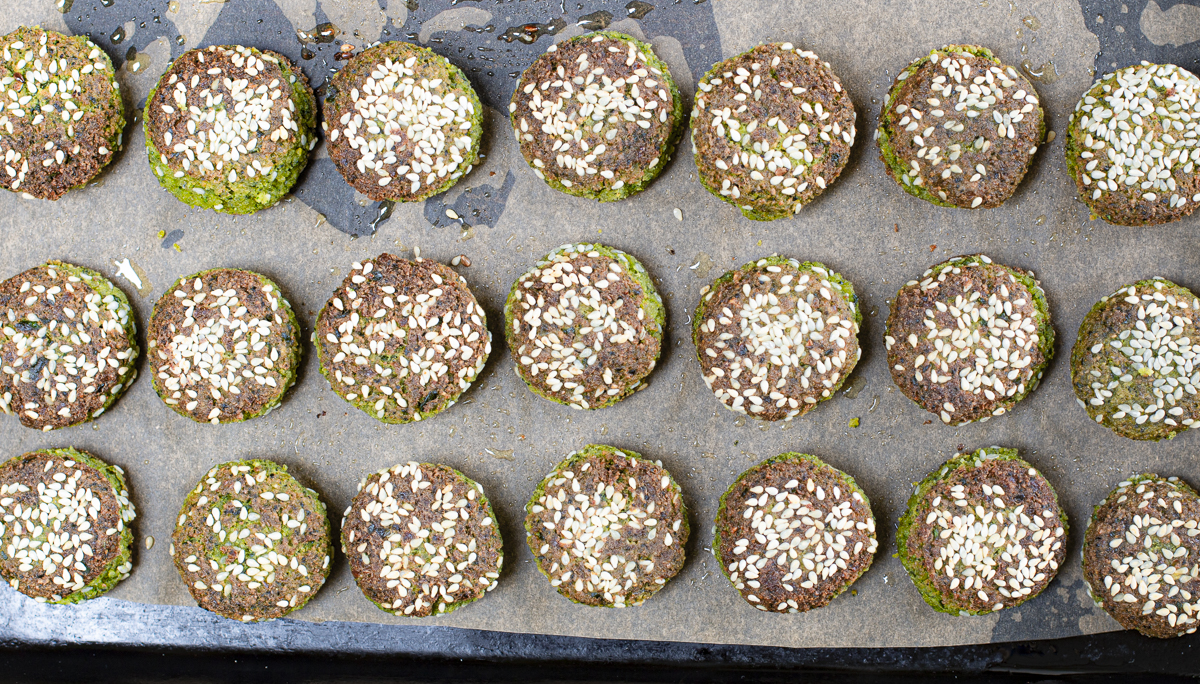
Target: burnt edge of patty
{"type": "Point", "coordinates": [474, 555]}
{"type": "Point", "coordinates": [776, 591]}
{"type": "Point", "coordinates": [907, 319]}
{"type": "Point", "coordinates": [1005, 160]}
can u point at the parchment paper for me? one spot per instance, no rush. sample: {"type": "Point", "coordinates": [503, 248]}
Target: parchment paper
{"type": "Point", "coordinates": [502, 435]}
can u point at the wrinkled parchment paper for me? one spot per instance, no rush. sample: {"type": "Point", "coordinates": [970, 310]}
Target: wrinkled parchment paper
{"type": "Point", "coordinates": [505, 437]}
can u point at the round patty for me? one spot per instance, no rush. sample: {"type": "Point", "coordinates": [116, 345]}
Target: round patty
{"type": "Point", "coordinates": [771, 129]}
{"type": "Point", "coordinates": [402, 122]}
{"type": "Point", "coordinates": [776, 337]}
{"type": "Point", "coordinates": [584, 326]}
{"type": "Point", "coordinates": [982, 533]}
{"type": "Point", "coordinates": [970, 339]}
{"type": "Point", "coordinates": [65, 536]}
{"type": "Point", "coordinates": [229, 128]}
{"type": "Point", "coordinates": [1135, 366]}
{"type": "Point", "coordinates": [422, 540]}
{"type": "Point", "coordinates": [793, 532]}
{"type": "Point", "coordinates": [252, 543]}
{"type": "Point", "coordinates": [400, 339]}
{"type": "Point", "coordinates": [1131, 145]}
{"type": "Point", "coordinates": [959, 128]}
{"type": "Point", "coordinates": [607, 527]}
{"type": "Point", "coordinates": [224, 346]}
{"type": "Point", "coordinates": [63, 114]}
{"type": "Point", "coordinates": [68, 345]}
{"type": "Point", "coordinates": [1139, 556]}
{"type": "Point", "coordinates": [597, 115]}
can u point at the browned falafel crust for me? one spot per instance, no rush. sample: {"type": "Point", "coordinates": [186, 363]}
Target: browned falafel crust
{"type": "Point", "coordinates": [422, 540]}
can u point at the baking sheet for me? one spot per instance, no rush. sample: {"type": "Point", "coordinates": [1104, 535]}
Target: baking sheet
{"type": "Point", "coordinates": [502, 435]}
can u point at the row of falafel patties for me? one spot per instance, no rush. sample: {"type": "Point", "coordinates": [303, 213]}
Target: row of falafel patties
{"type": "Point", "coordinates": [402, 339]}
{"type": "Point", "coordinates": [608, 528]}
{"type": "Point", "coordinates": [229, 128]}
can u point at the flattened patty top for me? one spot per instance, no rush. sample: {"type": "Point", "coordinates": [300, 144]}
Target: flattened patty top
{"type": "Point", "coordinates": [959, 128]}
{"type": "Point", "coordinates": [66, 344]}
{"type": "Point", "coordinates": [401, 339]}
{"type": "Point", "coordinates": [1131, 145]}
{"type": "Point", "coordinates": [970, 339]}
{"type": "Point", "coordinates": [772, 128]}
{"type": "Point", "coordinates": [595, 113]}
{"type": "Point", "coordinates": [63, 116]}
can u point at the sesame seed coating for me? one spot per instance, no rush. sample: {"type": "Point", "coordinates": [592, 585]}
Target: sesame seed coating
{"type": "Point", "coordinates": [959, 128]}
{"type": "Point", "coordinates": [68, 345]}
{"type": "Point", "coordinates": [771, 129]}
{"type": "Point", "coordinates": [607, 527]}
{"type": "Point", "coordinates": [584, 326]}
{"type": "Point", "coordinates": [224, 346]}
{"type": "Point", "coordinates": [970, 339]}
{"type": "Point", "coordinates": [252, 543]}
{"type": "Point", "coordinates": [1140, 556]}
{"type": "Point", "coordinates": [400, 339]}
{"type": "Point", "coordinates": [229, 128]}
{"type": "Point", "coordinates": [1135, 366]}
{"type": "Point", "coordinates": [402, 122]}
{"type": "Point", "coordinates": [422, 540]}
{"type": "Point", "coordinates": [776, 337]}
{"type": "Point", "coordinates": [61, 114]}
{"type": "Point", "coordinates": [65, 534]}
{"type": "Point", "coordinates": [1132, 145]}
{"type": "Point", "coordinates": [597, 115]}
{"type": "Point", "coordinates": [982, 533]}
{"type": "Point", "coordinates": [792, 533]}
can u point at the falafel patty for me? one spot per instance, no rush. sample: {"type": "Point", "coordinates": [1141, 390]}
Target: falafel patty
{"type": "Point", "coordinates": [982, 533]}
{"type": "Point", "coordinates": [607, 527]}
{"type": "Point", "coordinates": [229, 128]}
{"type": "Point", "coordinates": [970, 339]}
{"type": "Point", "coordinates": [597, 116]}
{"type": "Point", "coordinates": [224, 346]}
{"type": "Point", "coordinates": [65, 536]}
{"type": "Point", "coordinates": [64, 117]}
{"type": "Point", "coordinates": [792, 533]}
{"type": "Point", "coordinates": [252, 543]}
{"type": "Point", "coordinates": [402, 122]}
{"type": "Point", "coordinates": [422, 540]}
{"type": "Point", "coordinates": [1139, 555]}
{"type": "Point", "coordinates": [771, 130]}
{"type": "Point", "coordinates": [776, 337]}
{"type": "Point", "coordinates": [1131, 145]}
{"type": "Point", "coordinates": [584, 326]}
{"type": "Point", "coordinates": [959, 128]}
{"type": "Point", "coordinates": [68, 345]}
{"type": "Point", "coordinates": [402, 340]}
